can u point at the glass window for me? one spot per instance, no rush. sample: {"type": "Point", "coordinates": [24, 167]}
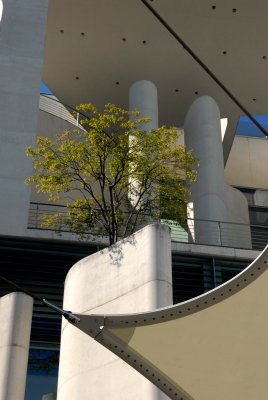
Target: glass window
{"type": "Point", "coordinates": [42, 373]}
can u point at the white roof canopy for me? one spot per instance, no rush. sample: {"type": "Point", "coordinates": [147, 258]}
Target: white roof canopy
{"type": "Point", "coordinates": [96, 49]}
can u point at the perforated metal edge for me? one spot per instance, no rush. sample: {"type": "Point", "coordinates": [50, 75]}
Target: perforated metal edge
{"type": "Point", "coordinates": [229, 288]}
{"type": "Point", "coordinates": [97, 325]}
{"type": "Point", "coordinates": [114, 344]}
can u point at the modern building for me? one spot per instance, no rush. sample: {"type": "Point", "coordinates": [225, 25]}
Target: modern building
{"type": "Point", "coordinates": [116, 51]}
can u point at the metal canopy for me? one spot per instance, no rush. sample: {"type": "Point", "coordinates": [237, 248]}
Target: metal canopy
{"type": "Point", "coordinates": [95, 49]}
{"type": "Point", "coordinates": [213, 346]}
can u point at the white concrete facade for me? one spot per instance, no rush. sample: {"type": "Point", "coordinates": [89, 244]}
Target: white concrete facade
{"type": "Point", "coordinates": [133, 275]}
{"type": "Point", "coordinates": [15, 328]}
{"type": "Point", "coordinates": [248, 163]}
{"type": "Point", "coordinates": [23, 27]}
{"type": "Point", "coordinates": [119, 285]}
{"type": "Point", "coordinates": [22, 38]}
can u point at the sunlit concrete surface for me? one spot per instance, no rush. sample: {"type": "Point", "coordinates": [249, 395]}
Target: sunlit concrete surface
{"type": "Point", "coordinates": [133, 275]}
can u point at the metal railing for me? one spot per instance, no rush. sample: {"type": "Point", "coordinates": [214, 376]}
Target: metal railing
{"type": "Point", "coordinates": [219, 233]}
{"type": "Point", "coordinates": [203, 232]}
{"type": "Point", "coordinates": [37, 210]}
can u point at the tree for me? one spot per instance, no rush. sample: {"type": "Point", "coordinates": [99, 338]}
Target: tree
{"type": "Point", "coordinates": [112, 174]}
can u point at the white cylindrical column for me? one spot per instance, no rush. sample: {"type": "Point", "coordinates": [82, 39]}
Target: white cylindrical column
{"type": "Point", "coordinates": [203, 136]}
{"type": "Point", "coordinates": [15, 328]}
{"type": "Point", "coordinates": [133, 275]}
{"type": "Point", "coordinates": [220, 211]}
{"type": "Point", "coordinates": [143, 97]}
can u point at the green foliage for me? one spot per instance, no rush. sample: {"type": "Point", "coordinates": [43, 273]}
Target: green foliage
{"type": "Point", "coordinates": [121, 174]}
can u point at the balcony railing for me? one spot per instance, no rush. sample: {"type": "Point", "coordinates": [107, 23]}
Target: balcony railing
{"type": "Point", "coordinates": [203, 232]}
{"type": "Point", "coordinates": [219, 233]}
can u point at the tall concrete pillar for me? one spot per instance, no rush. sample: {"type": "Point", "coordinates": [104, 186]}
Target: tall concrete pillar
{"type": "Point", "coordinates": [15, 329]}
{"type": "Point", "coordinates": [203, 135]}
{"type": "Point", "coordinates": [22, 37]}
{"type": "Point", "coordinates": [143, 97]}
{"type": "Point", "coordinates": [133, 275]}
{"type": "Point", "coordinates": [222, 209]}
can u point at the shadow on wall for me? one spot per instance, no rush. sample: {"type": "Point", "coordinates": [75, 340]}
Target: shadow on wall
{"type": "Point", "coordinates": [116, 251]}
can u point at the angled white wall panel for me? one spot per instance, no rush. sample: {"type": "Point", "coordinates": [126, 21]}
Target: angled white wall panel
{"type": "Point", "coordinates": [224, 207]}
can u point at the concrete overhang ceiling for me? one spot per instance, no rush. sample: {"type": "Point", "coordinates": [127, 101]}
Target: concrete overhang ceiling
{"type": "Point", "coordinates": [95, 49]}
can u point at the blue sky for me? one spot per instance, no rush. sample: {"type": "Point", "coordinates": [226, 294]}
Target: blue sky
{"type": "Point", "coordinates": [44, 88]}
{"type": "Point", "coordinates": [246, 128]}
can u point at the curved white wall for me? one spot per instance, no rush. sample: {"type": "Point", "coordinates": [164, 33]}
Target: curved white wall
{"type": "Point", "coordinates": [133, 275]}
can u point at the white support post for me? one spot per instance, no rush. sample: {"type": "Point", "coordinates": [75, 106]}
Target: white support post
{"type": "Point", "coordinates": [213, 200]}
{"type": "Point", "coordinates": [143, 97]}
{"type": "Point", "coordinates": [15, 329]}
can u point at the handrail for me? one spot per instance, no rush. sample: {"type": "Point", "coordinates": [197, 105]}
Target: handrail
{"type": "Point", "coordinates": [193, 231]}
{"type": "Point", "coordinates": [188, 219]}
